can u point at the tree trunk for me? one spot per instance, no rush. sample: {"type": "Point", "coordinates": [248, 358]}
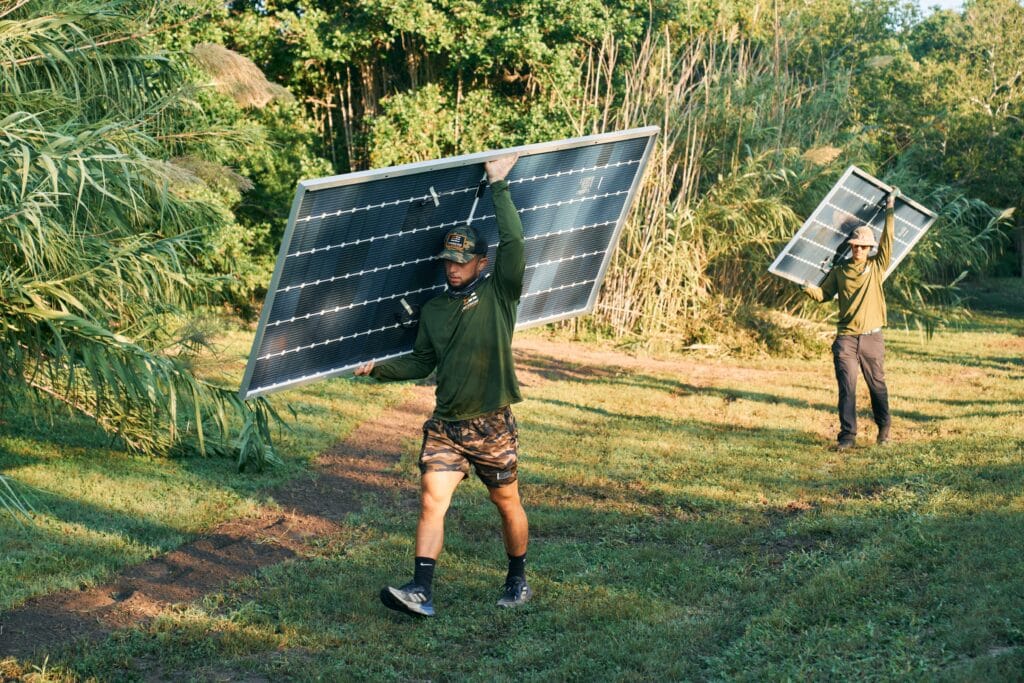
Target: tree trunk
{"type": "Point", "coordinates": [1020, 246]}
{"type": "Point", "coordinates": [347, 118]}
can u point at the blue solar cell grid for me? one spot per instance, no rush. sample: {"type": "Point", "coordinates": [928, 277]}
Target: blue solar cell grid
{"type": "Point", "coordinates": [360, 250]}
{"type": "Point", "coordinates": [857, 199]}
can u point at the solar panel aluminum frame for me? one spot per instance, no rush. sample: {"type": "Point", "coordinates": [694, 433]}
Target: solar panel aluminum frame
{"type": "Point", "coordinates": [319, 184]}
{"type": "Point", "coordinates": [775, 269]}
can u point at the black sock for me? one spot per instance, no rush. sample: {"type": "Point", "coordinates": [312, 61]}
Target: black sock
{"type": "Point", "coordinates": [516, 567]}
{"type": "Point", "coordinates": [423, 572]}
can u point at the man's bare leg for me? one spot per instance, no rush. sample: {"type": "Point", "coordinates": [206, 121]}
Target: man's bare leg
{"type": "Point", "coordinates": [515, 531]}
{"type": "Point", "coordinates": [514, 525]}
{"type": "Point", "coordinates": [415, 597]}
{"type": "Point", "coordinates": [436, 490]}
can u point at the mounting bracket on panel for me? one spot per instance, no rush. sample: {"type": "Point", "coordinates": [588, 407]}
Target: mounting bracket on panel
{"type": "Point", "coordinates": [481, 186]}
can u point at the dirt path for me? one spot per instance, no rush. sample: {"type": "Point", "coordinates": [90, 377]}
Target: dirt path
{"type": "Point", "coordinates": [310, 508]}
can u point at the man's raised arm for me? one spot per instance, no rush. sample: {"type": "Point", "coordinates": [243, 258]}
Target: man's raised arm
{"type": "Point", "coordinates": [510, 260]}
{"type": "Point", "coordinates": [884, 255]}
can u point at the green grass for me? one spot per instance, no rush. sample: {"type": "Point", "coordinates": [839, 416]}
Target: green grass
{"type": "Point", "coordinates": [687, 523]}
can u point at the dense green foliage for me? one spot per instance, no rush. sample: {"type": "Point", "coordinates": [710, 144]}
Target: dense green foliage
{"type": "Point", "coordinates": [374, 74]}
{"type": "Point", "coordinates": [104, 221]}
{"type": "Point", "coordinates": [949, 107]}
{"type": "Point", "coordinates": [761, 106]}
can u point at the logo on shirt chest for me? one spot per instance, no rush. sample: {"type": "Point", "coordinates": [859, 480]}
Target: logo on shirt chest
{"type": "Point", "coordinates": [470, 301]}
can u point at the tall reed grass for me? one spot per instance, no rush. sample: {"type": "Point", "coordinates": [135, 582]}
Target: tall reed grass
{"type": "Point", "coordinates": [718, 191]}
{"type": "Point", "coordinates": [748, 146]}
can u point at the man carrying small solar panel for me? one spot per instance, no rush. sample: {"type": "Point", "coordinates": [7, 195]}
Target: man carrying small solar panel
{"type": "Point", "coordinates": [466, 334]}
{"type": "Point", "coordinates": [858, 343]}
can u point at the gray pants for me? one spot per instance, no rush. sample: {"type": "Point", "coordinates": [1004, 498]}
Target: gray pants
{"type": "Point", "coordinates": [866, 352]}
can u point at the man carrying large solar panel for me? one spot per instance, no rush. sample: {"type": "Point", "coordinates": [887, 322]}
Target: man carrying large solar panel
{"type": "Point", "coordinates": [466, 334]}
{"type": "Point", "coordinates": [858, 343]}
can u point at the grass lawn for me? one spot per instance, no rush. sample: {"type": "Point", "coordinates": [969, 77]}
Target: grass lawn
{"type": "Point", "coordinates": [687, 523]}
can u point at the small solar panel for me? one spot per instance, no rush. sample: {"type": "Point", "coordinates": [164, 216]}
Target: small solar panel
{"type": "Point", "coordinates": [857, 199]}
{"type": "Point", "coordinates": [359, 254]}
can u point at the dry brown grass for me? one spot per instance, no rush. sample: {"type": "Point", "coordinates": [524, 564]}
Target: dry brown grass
{"type": "Point", "coordinates": [238, 77]}
{"type": "Point", "coordinates": [822, 156]}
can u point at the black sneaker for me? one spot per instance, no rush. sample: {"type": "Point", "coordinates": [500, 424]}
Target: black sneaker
{"type": "Point", "coordinates": [844, 445]}
{"type": "Point", "coordinates": [516, 593]}
{"type": "Point", "coordinates": [410, 598]}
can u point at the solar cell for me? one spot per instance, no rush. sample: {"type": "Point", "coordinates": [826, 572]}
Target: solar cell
{"type": "Point", "coordinates": [358, 257]}
{"type": "Point", "coordinates": [857, 199]}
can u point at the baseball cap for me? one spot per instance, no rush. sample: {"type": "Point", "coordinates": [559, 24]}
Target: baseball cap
{"type": "Point", "coordinates": [863, 236]}
{"type": "Point", "coordinates": [462, 244]}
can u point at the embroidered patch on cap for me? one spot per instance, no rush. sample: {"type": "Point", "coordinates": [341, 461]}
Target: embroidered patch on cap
{"type": "Point", "coordinates": [455, 241]}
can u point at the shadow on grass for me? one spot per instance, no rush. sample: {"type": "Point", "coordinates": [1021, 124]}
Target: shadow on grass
{"type": "Point", "coordinates": [131, 527]}
{"type": "Point", "coordinates": [26, 419]}
{"type": "Point", "coordinates": [109, 538]}
{"type": "Point", "coordinates": [745, 437]}
{"type": "Point", "coordinates": [1001, 363]}
{"type": "Point", "coordinates": [558, 370]}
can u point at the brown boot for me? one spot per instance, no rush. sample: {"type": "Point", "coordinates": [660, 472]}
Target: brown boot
{"type": "Point", "coordinates": [883, 435]}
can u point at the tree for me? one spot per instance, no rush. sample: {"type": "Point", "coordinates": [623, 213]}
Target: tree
{"type": "Point", "coordinates": [360, 66]}
{"type": "Point", "coordinates": [103, 217]}
{"type": "Point", "coordinates": [956, 93]}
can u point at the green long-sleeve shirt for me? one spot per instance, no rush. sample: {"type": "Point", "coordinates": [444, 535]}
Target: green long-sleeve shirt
{"type": "Point", "coordinates": [469, 339]}
{"type": "Point", "coordinates": [859, 286]}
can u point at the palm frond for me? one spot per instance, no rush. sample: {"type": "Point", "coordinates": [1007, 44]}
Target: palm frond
{"type": "Point", "coordinates": [101, 231]}
{"type": "Point", "coordinates": [151, 402]}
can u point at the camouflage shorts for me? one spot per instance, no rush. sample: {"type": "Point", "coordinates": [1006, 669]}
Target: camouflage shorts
{"type": "Point", "coordinates": [489, 442]}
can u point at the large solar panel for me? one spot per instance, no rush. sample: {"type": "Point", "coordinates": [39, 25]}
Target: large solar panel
{"type": "Point", "coordinates": [358, 258]}
{"type": "Point", "coordinates": [857, 199]}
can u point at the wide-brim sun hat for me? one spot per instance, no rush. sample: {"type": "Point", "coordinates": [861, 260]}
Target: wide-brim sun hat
{"type": "Point", "coordinates": [863, 236]}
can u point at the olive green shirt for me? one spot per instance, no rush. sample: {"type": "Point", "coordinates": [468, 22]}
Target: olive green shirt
{"type": "Point", "coordinates": [469, 339]}
{"type": "Point", "coordinates": [859, 286]}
